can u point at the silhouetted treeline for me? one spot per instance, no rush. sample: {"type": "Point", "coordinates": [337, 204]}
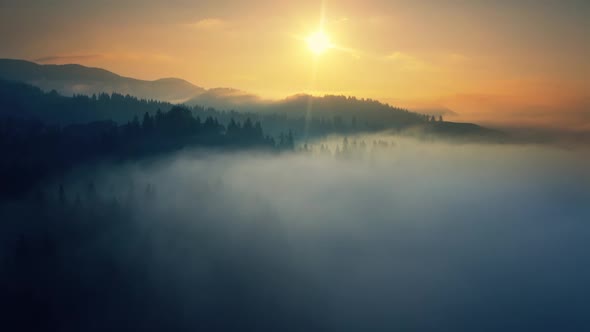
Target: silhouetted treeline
{"type": "Point", "coordinates": [32, 150]}
{"type": "Point", "coordinates": [326, 116]}
{"type": "Point", "coordinates": [307, 117]}
{"type": "Point", "coordinates": [316, 117]}
{"type": "Point", "coordinates": [26, 101]}
{"type": "Point", "coordinates": [349, 148]}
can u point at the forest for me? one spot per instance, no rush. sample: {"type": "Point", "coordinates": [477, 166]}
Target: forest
{"type": "Point", "coordinates": [306, 116]}
{"type": "Point", "coordinates": [294, 166]}
{"type": "Point", "coordinates": [34, 151]}
{"type": "Point", "coordinates": [44, 134]}
{"type": "Point", "coordinates": [125, 214]}
{"type": "Point", "coordinates": [262, 241]}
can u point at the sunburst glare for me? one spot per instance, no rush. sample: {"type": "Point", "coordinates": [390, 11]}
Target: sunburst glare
{"type": "Point", "coordinates": [318, 42]}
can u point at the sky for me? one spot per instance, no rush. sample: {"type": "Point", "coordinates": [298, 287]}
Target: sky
{"type": "Point", "coordinates": [520, 62]}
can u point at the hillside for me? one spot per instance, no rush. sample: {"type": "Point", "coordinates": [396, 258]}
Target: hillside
{"type": "Point", "coordinates": [329, 115]}
{"type": "Point", "coordinates": [21, 100]}
{"type": "Point", "coordinates": [74, 79]}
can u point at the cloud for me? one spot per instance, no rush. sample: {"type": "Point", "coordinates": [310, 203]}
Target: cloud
{"type": "Point", "coordinates": [426, 230]}
{"type": "Point", "coordinates": [407, 62]}
{"type": "Point", "coordinates": [151, 57]}
{"type": "Point", "coordinates": [67, 58]}
{"type": "Point", "coordinates": [429, 62]}
{"type": "Point", "coordinates": [208, 24]}
{"type": "Point", "coordinates": [87, 58]}
{"type": "Point", "coordinates": [455, 58]}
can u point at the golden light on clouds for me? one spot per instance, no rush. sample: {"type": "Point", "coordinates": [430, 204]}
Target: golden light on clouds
{"type": "Point", "coordinates": [208, 23]}
{"type": "Point", "coordinates": [380, 49]}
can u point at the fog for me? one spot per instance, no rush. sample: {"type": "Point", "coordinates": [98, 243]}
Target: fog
{"type": "Point", "coordinates": [415, 236]}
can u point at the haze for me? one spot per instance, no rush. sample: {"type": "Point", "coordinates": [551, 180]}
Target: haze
{"type": "Point", "coordinates": [417, 236]}
{"type": "Point", "coordinates": [290, 166]}
{"type": "Point", "coordinates": [517, 63]}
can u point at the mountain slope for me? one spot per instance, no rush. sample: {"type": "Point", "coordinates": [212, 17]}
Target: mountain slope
{"type": "Point", "coordinates": [21, 100]}
{"type": "Point", "coordinates": [305, 116]}
{"type": "Point", "coordinates": [228, 99]}
{"type": "Point", "coordinates": [302, 113]}
{"type": "Point", "coordinates": [76, 79]}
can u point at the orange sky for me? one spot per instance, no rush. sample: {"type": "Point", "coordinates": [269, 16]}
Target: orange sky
{"type": "Point", "coordinates": [494, 61]}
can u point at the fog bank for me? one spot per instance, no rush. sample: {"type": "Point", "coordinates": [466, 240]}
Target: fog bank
{"type": "Point", "coordinates": [416, 237]}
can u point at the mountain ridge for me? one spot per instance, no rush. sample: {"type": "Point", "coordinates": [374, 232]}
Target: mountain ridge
{"type": "Point", "coordinates": [71, 79]}
{"type": "Point", "coordinates": [75, 79]}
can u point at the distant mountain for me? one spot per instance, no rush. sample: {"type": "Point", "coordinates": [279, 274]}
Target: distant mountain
{"type": "Point", "coordinates": [76, 79]}
{"type": "Point", "coordinates": [435, 111]}
{"type": "Point", "coordinates": [299, 105]}
{"type": "Point", "coordinates": [304, 114]}
{"type": "Point", "coordinates": [429, 107]}
{"type": "Point", "coordinates": [304, 105]}
{"type": "Point", "coordinates": [21, 100]}
{"type": "Point", "coordinates": [306, 117]}
{"type": "Point", "coordinates": [228, 99]}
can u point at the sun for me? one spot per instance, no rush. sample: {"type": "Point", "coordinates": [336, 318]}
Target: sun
{"type": "Point", "coordinates": [318, 42]}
